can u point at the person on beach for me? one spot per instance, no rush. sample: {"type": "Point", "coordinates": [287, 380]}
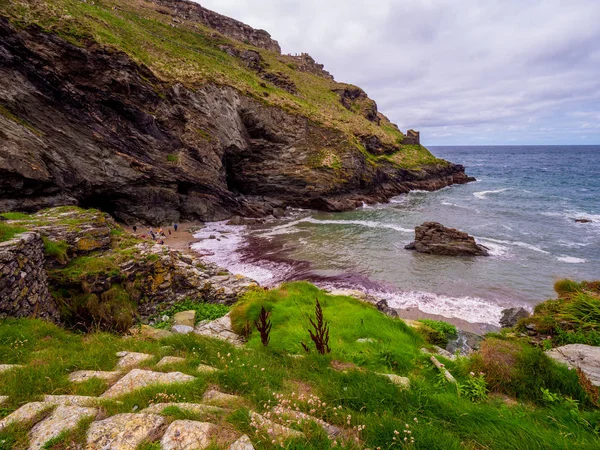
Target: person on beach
{"type": "Point", "coordinates": [153, 235]}
{"type": "Point", "coordinates": [135, 229]}
{"type": "Point", "coordinates": [175, 226]}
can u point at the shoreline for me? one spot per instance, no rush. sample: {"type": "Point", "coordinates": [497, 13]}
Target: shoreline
{"type": "Point", "coordinates": [183, 239]}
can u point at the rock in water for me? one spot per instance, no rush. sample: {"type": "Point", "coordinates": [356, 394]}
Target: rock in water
{"type": "Point", "coordinates": [511, 316]}
{"type": "Point", "coordinates": [435, 238]}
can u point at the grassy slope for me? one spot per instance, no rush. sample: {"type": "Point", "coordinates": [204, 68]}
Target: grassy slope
{"type": "Point", "coordinates": [188, 54]}
{"type": "Point", "coordinates": [444, 420]}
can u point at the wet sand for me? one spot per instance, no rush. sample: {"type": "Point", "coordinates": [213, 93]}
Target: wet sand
{"type": "Point", "coordinates": [180, 240]}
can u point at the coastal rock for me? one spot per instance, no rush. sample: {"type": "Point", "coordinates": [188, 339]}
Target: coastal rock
{"type": "Point", "coordinates": [139, 379]}
{"type": "Point", "coordinates": [124, 431]}
{"type": "Point", "coordinates": [435, 238]}
{"type": "Point", "coordinates": [170, 360]}
{"type": "Point", "coordinates": [62, 419]}
{"type": "Point", "coordinates": [219, 329]}
{"type": "Point", "coordinates": [586, 357]}
{"type": "Point", "coordinates": [187, 318]}
{"type": "Point", "coordinates": [583, 220]}
{"type": "Point", "coordinates": [26, 413]}
{"type": "Point", "coordinates": [274, 430]}
{"type": "Point", "coordinates": [182, 329]}
{"type": "Point", "coordinates": [243, 443]}
{"type": "Point", "coordinates": [81, 376]}
{"type": "Point", "coordinates": [187, 435]}
{"type": "Point", "coordinates": [128, 360]}
{"type": "Point", "coordinates": [511, 316]}
{"type": "Point", "coordinates": [196, 408]}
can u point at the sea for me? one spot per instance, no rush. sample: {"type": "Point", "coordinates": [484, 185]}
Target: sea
{"type": "Point", "coordinates": [523, 207]}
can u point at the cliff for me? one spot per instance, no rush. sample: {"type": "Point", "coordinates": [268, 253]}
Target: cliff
{"type": "Point", "coordinates": [159, 111]}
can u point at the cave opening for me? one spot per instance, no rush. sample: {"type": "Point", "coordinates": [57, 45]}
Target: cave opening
{"type": "Point", "coordinates": [99, 200]}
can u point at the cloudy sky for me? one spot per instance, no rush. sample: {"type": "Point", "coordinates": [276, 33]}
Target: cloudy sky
{"type": "Point", "coordinates": [461, 71]}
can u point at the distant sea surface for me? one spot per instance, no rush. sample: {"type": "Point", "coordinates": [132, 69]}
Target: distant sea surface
{"type": "Point", "coordinates": [523, 208]}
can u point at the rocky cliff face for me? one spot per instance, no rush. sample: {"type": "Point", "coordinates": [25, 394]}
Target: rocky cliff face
{"type": "Point", "coordinates": [87, 124]}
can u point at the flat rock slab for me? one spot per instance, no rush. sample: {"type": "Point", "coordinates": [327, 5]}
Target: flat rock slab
{"type": "Point", "coordinates": [402, 382]}
{"type": "Point", "coordinates": [63, 418]}
{"type": "Point", "coordinates": [138, 379]}
{"type": "Point", "coordinates": [26, 413]}
{"type": "Point", "coordinates": [187, 318]}
{"type": "Point", "coordinates": [3, 399]}
{"type": "Point", "coordinates": [132, 359]}
{"type": "Point", "coordinates": [182, 329]}
{"type": "Point", "coordinates": [72, 400]}
{"type": "Point", "coordinates": [219, 329]}
{"type": "Point", "coordinates": [7, 367]}
{"type": "Point", "coordinates": [197, 408]}
{"type": "Point", "coordinates": [168, 360]}
{"type": "Point", "coordinates": [203, 368]}
{"type": "Point", "coordinates": [242, 443]}
{"type": "Point", "coordinates": [152, 333]}
{"type": "Point", "coordinates": [81, 376]}
{"type": "Point", "coordinates": [332, 431]}
{"type": "Point", "coordinates": [124, 431]}
{"type": "Point", "coordinates": [586, 357]}
{"type": "Point", "coordinates": [274, 430]}
{"type": "Point", "coordinates": [187, 435]}
{"type": "Point", "coordinates": [214, 397]}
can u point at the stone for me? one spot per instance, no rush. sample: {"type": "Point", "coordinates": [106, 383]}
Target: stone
{"type": "Point", "coordinates": [154, 333]}
{"type": "Point", "coordinates": [274, 430]}
{"type": "Point", "coordinates": [26, 413]}
{"type": "Point", "coordinates": [3, 399]}
{"type": "Point", "coordinates": [7, 367]}
{"type": "Point", "coordinates": [242, 443]}
{"type": "Point", "coordinates": [511, 316]}
{"type": "Point", "coordinates": [182, 329]}
{"type": "Point", "coordinates": [138, 379]}
{"type": "Point", "coordinates": [169, 360]}
{"type": "Point", "coordinates": [72, 400]}
{"type": "Point", "coordinates": [187, 318]}
{"type": "Point", "coordinates": [124, 431]}
{"type": "Point", "coordinates": [132, 359]}
{"type": "Point", "coordinates": [219, 329]}
{"type": "Point", "coordinates": [399, 381]}
{"type": "Point", "coordinates": [196, 408]}
{"type": "Point", "coordinates": [214, 397]}
{"type": "Point", "coordinates": [445, 353]}
{"type": "Point", "coordinates": [81, 376]}
{"type": "Point", "coordinates": [583, 220]}
{"type": "Point", "coordinates": [332, 431]}
{"type": "Point", "coordinates": [365, 341]}
{"type": "Point", "coordinates": [586, 357]}
{"type": "Point", "coordinates": [188, 435]}
{"type": "Point", "coordinates": [278, 213]}
{"type": "Point", "coordinates": [63, 418]}
{"type": "Point", "coordinates": [203, 368]}
{"type": "Point", "coordinates": [435, 238]}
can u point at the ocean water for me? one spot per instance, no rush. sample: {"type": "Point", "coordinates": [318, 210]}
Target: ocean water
{"type": "Point", "coordinates": [522, 208]}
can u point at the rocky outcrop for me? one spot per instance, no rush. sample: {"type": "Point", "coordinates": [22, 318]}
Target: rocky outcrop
{"type": "Point", "coordinates": [586, 357]}
{"type": "Point", "coordinates": [234, 29]}
{"type": "Point", "coordinates": [511, 316]}
{"type": "Point", "coordinates": [87, 125]}
{"type": "Point", "coordinates": [435, 238]}
{"type": "Point", "coordinates": [23, 280]}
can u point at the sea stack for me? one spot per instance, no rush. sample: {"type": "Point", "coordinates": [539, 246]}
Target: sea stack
{"type": "Point", "coordinates": [435, 238]}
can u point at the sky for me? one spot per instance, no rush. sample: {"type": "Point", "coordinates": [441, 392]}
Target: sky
{"type": "Point", "coordinates": [463, 72]}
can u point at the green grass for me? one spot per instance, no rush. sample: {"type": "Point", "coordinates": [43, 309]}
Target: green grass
{"type": "Point", "coordinates": [204, 311]}
{"type": "Point", "coordinates": [56, 250]}
{"type": "Point", "coordinates": [444, 420]}
{"type": "Point", "coordinates": [7, 232]}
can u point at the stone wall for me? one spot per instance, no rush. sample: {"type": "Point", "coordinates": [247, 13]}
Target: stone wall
{"type": "Point", "coordinates": [412, 138]}
{"type": "Point", "coordinates": [23, 280]}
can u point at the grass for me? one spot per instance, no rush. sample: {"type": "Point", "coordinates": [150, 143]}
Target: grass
{"type": "Point", "coordinates": [189, 53]}
{"type": "Point", "coordinates": [7, 232]}
{"type": "Point", "coordinates": [204, 311]}
{"type": "Point", "coordinates": [56, 250]}
{"type": "Point", "coordinates": [572, 318]}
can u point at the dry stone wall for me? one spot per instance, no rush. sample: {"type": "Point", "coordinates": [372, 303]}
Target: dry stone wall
{"type": "Point", "coordinates": [23, 279]}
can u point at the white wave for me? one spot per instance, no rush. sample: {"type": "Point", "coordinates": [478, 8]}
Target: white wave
{"type": "Point", "coordinates": [471, 309]}
{"type": "Point", "coordinates": [516, 244]}
{"type": "Point", "coordinates": [496, 249]}
{"type": "Point", "coordinates": [571, 259]}
{"type": "Point", "coordinates": [362, 223]}
{"type": "Point", "coordinates": [482, 194]}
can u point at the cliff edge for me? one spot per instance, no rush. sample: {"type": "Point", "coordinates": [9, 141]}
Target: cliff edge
{"type": "Point", "coordinates": [162, 110]}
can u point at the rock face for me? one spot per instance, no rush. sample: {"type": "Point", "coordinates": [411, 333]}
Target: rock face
{"type": "Point", "coordinates": [23, 279]}
{"type": "Point", "coordinates": [435, 238]}
{"type": "Point", "coordinates": [586, 357]}
{"type": "Point", "coordinates": [511, 316]}
{"type": "Point", "coordinates": [87, 125]}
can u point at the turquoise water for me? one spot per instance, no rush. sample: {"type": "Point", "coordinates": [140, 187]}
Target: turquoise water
{"type": "Point", "coordinates": [522, 207]}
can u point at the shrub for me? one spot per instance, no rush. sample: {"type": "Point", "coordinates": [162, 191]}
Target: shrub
{"type": "Point", "coordinates": [474, 388]}
{"type": "Point", "coordinates": [436, 332]}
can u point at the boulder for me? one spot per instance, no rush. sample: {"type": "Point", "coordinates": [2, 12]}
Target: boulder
{"type": "Point", "coordinates": [511, 316]}
{"type": "Point", "coordinates": [182, 329]}
{"type": "Point", "coordinates": [435, 238]}
{"type": "Point", "coordinates": [187, 318]}
{"type": "Point", "coordinates": [586, 357]}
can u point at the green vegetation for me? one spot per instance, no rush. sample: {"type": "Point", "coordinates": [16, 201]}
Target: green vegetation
{"type": "Point", "coordinates": [572, 318]}
{"type": "Point", "coordinates": [9, 115]}
{"type": "Point", "coordinates": [192, 54]}
{"type": "Point", "coordinates": [343, 386]}
{"type": "Point", "coordinates": [56, 250]}
{"type": "Point", "coordinates": [7, 232]}
{"type": "Point", "coordinates": [436, 332]}
{"type": "Point", "coordinates": [204, 311]}
{"type": "Point", "coordinates": [172, 158]}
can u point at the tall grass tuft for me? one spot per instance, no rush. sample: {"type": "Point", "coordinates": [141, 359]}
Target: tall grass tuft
{"type": "Point", "coordinates": [320, 336]}
{"type": "Point", "coordinates": [264, 325]}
